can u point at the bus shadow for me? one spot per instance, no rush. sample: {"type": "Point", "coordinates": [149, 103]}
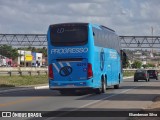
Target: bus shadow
{"type": "Point", "coordinates": [142, 87]}
{"type": "Point", "coordinates": [132, 80]}
{"type": "Point", "coordinates": [121, 97]}
{"type": "Point", "coordinates": [39, 93]}
{"type": "Point", "coordinates": [54, 93]}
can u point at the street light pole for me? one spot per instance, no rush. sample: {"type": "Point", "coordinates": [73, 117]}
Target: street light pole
{"type": "Point", "coordinates": [152, 37]}
{"type": "Point", "coordinates": [24, 58]}
{"type": "Point", "coordinates": [152, 32]}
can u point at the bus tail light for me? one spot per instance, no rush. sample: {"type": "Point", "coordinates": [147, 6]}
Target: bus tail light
{"type": "Point", "coordinates": [50, 71]}
{"type": "Point", "coordinates": [90, 72]}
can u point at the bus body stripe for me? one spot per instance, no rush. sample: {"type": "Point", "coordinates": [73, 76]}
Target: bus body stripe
{"type": "Point", "coordinates": [60, 64]}
{"type": "Point", "coordinates": [68, 64]}
{"type": "Point", "coordinates": [55, 66]}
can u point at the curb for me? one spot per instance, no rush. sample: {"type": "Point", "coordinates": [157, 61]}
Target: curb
{"type": "Point", "coordinates": [16, 89]}
{"type": "Point", "coordinates": [128, 77]}
{"type": "Point", "coordinates": [24, 88]}
{"type": "Point", "coordinates": [41, 87]}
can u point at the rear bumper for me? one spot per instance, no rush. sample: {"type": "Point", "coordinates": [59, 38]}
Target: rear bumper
{"type": "Point", "coordinates": [152, 76]}
{"type": "Point", "coordinates": [140, 78]}
{"type": "Point", "coordinates": [69, 87]}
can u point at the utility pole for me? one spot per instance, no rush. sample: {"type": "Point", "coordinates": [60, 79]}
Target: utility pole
{"type": "Point", "coordinates": [152, 38]}
{"type": "Point", "coordinates": [152, 32]}
{"type": "Point", "coordinates": [24, 58]}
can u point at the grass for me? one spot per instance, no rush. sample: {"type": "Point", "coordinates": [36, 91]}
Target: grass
{"type": "Point", "coordinates": [14, 81]}
{"type": "Point", "coordinates": [128, 73]}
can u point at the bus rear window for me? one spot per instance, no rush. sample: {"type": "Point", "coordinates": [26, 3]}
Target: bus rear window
{"type": "Point", "coordinates": [68, 34]}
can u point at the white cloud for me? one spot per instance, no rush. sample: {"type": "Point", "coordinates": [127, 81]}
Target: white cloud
{"type": "Point", "coordinates": [127, 17]}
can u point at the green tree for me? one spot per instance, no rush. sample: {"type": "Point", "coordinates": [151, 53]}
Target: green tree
{"type": "Point", "coordinates": [145, 66]}
{"type": "Point", "coordinates": [137, 64]}
{"type": "Point", "coordinates": [126, 63]}
{"type": "Point", "coordinates": [150, 65]}
{"type": "Point", "coordinates": [8, 51]}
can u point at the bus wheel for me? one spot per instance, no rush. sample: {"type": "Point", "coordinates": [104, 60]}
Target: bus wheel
{"type": "Point", "coordinates": [116, 86]}
{"type": "Point", "coordinates": [103, 85]}
{"type": "Point", "coordinates": [98, 91]}
{"type": "Point", "coordinates": [62, 92]}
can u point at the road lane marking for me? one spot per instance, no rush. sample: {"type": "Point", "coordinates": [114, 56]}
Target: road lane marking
{"type": "Point", "coordinates": [19, 101]}
{"type": "Point", "coordinates": [94, 102]}
{"type": "Point", "coordinates": [105, 98]}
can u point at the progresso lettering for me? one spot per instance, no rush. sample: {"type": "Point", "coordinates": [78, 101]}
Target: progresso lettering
{"type": "Point", "coordinates": [69, 50]}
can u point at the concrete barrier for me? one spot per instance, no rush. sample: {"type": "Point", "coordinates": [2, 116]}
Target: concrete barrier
{"type": "Point", "coordinates": [22, 71]}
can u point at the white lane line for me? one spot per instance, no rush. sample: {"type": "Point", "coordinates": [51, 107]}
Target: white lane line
{"type": "Point", "coordinates": [104, 98]}
{"type": "Point", "coordinates": [94, 102]}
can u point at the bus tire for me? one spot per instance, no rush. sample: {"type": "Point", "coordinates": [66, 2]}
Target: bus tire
{"type": "Point", "coordinates": [103, 85]}
{"type": "Point", "coordinates": [116, 86]}
{"type": "Point", "coordinates": [62, 92]}
{"type": "Point", "coordinates": [98, 91]}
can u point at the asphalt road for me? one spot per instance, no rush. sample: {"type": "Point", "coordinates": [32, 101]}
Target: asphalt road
{"type": "Point", "coordinates": [132, 96]}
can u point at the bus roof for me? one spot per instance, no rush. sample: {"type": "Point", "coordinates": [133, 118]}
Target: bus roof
{"type": "Point", "coordinates": [81, 23]}
{"type": "Point", "coordinates": [69, 23]}
{"type": "Point", "coordinates": [100, 26]}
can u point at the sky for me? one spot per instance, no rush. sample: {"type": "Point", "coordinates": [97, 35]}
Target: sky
{"type": "Point", "coordinates": [126, 17]}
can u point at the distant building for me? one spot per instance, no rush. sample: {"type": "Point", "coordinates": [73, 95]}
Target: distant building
{"type": "Point", "coordinates": [29, 59]}
{"type": "Point", "coordinates": [25, 58]}
{"type": "Point", "coordinates": [4, 61]}
{"type": "Point", "coordinates": [144, 62]}
{"type": "Point", "coordinates": [39, 59]}
{"type": "Point", "coordinates": [138, 53]}
{"type": "Point", "coordinates": [151, 55]}
{"type": "Point", "coordinates": [33, 59]}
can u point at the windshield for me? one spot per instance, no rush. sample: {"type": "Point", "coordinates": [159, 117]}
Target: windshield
{"type": "Point", "coordinates": [68, 34]}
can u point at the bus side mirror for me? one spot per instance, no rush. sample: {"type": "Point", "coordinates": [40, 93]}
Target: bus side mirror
{"type": "Point", "coordinates": [93, 34]}
{"type": "Point", "coordinates": [124, 58]}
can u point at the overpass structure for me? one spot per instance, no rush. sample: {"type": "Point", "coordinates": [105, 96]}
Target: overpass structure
{"type": "Point", "coordinates": [25, 40]}
{"type": "Point", "coordinates": [140, 41]}
{"type": "Point", "coordinates": [37, 40]}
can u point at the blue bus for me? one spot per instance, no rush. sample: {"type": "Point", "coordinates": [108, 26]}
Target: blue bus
{"type": "Point", "coordinates": [83, 57]}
